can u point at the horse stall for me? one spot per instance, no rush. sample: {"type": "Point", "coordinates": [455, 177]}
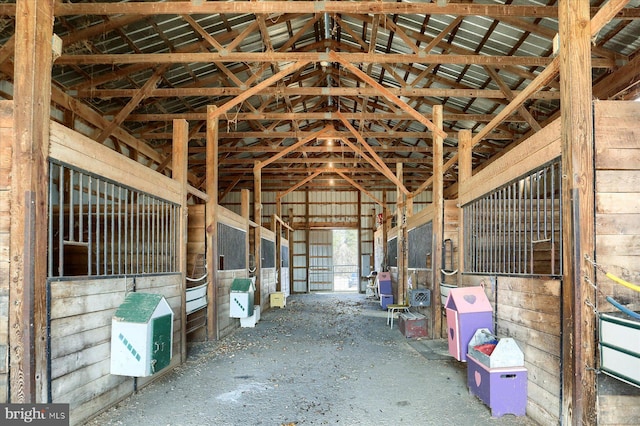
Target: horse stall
{"type": "Point", "coordinates": [114, 228]}
{"type": "Point", "coordinates": [510, 244]}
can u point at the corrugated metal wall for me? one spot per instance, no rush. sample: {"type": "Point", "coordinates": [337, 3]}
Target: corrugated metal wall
{"type": "Point", "coordinates": [325, 210]}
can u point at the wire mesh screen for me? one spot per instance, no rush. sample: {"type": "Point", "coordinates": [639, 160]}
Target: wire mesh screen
{"type": "Point", "coordinates": [517, 229]}
{"type": "Point", "coordinates": [99, 228]}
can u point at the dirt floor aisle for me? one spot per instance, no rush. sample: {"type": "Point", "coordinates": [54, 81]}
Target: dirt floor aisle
{"type": "Point", "coordinates": [324, 359]}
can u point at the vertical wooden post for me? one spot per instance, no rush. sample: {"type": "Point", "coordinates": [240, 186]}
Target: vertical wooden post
{"type": "Point", "coordinates": [578, 325]}
{"type": "Point", "coordinates": [211, 221]}
{"type": "Point", "coordinates": [385, 228]}
{"type": "Point", "coordinates": [245, 205]}
{"type": "Point", "coordinates": [291, 247]}
{"type": "Point", "coordinates": [180, 151]}
{"type": "Point", "coordinates": [28, 230]}
{"type": "Point", "coordinates": [277, 228]}
{"type": "Point", "coordinates": [359, 237]}
{"type": "Point", "coordinates": [438, 217]}
{"type": "Point", "coordinates": [374, 227]}
{"type": "Point", "coordinates": [465, 167]}
{"type": "Point", "coordinates": [401, 229]}
{"type": "Point", "coordinates": [257, 218]}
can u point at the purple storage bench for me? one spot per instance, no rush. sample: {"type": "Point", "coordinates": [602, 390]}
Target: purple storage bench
{"type": "Point", "coordinates": [504, 389]}
{"type": "Point", "coordinates": [468, 309]}
{"type": "Point", "coordinates": [385, 289]}
{"type": "Point", "coordinates": [496, 373]}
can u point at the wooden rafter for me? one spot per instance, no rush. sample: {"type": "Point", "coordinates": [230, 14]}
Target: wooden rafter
{"type": "Point", "coordinates": [135, 100]}
{"type": "Point", "coordinates": [206, 57]}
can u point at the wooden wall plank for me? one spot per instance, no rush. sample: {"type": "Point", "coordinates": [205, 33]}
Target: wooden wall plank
{"type": "Point", "coordinates": [617, 205]}
{"type": "Point", "coordinates": [537, 150]}
{"type": "Point", "coordinates": [617, 223]}
{"type": "Point", "coordinates": [110, 390]}
{"type": "Point", "coordinates": [76, 342]}
{"type": "Point", "coordinates": [607, 202]}
{"type": "Point", "coordinates": [6, 150]}
{"type": "Point", "coordinates": [528, 310]}
{"type": "Point", "coordinates": [82, 312]}
{"type": "Point", "coordinates": [618, 410]}
{"type": "Point", "coordinates": [79, 151]}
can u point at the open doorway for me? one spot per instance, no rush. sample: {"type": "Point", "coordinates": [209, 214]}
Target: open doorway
{"type": "Point", "coordinates": [346, 275]}
{"type": "Point", "coordinates": [333, 260]}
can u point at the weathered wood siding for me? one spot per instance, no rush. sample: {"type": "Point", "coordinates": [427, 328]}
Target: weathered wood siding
{"type": "Point", "coordinates": [528, 310]}
{"type": "Point", "coordinates": [617, 199]}
{"type": "Point", "coordinates": [81, 313]}
{"type": "Point", "coordinates": [196, 237]}
{"type": "Point", "coordinates": [82, 308]}
{"type": "Point", "coordinates": [6, 142]}
{"type": "Point", "coordinates": [617, 158]}
{"type": "Point", "coordinates": [525, 309]}
{"type": "Point", "coordinates": [196, 251]}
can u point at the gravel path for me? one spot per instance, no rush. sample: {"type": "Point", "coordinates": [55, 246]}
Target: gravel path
{"type": "Point", "coordinates": [324, 359]}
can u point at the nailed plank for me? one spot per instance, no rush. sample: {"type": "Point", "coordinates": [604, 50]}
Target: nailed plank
{"type": "Point", "coordinates": [112, 389]}
{"type": "Point", "coordinates": [67, 307]}
{"type": "Point", "coordinates": [537, 150]}
{"type": "Point", "coordinates": [616, 224]}
{"type": "Point", "coordinates": [618, 409]}
{"type": "Point", "coordinates": [542, 406]}
{"type": "Point", "coordinates": [61, 327]}
{"type": "Point", "coordinates": [618, 245]}
{"type": "Point", "coordinates": [618, 181]}
{"type": "Point", "coordinates": [69, 344]}
{"type": "Point", "coordinates": [607, 202]}
{"type": "Point", "coordinates": [78, 150]}
{"type": "Point", "coordinates": [72, 362]}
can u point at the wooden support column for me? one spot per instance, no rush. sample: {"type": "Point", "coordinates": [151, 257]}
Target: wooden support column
{"type": "Point", "coordinates": [401, 228]}
{"type": "Point", "coordinates": [385, 229]}
{"type": "Point", "coordinates": [359, 237]}
{"type": "Point", "coordinates": [578, 318]}
{"type": "Point", "coordinates": [27, 306]}
{"type": "Point", "coordinates": [438, 217]}
{"type": "Point", "coordinates": [307, 236]}
{"type": "Point", "coordinates": [465, 166]}
{"type": "Point", "coordinates": [211, 221]}
{"type": "Point", "coordinates": [277, 228]}
{"type": "Point", "coordinates": [374, 227]}
{"type": "Point", "coordinates": [179, 169]}
{"type": "Point", "coordinates": [257, 218]}
{"type": "Point", "coordinates": [292, 235]}
{"type": "Point", "coordinates": [245, 211]}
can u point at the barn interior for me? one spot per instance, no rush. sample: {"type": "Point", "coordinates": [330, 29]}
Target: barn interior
{"type": "Point", "coordinates": [176, 147]}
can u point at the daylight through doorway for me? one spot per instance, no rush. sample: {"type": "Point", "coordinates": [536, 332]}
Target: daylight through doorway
{"type": "Point", "coordinates": [346, 275]}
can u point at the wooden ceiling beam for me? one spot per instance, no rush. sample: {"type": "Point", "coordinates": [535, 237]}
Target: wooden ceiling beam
{"type": "Point", "coordinates": [131, 105]}
{"type": "Point", "coordinates": [291, 148]}
{"type": "Point", "coordinates": [390, 58]}
{"type": "Point", "coordinates": [375, 159]}
{"type": "Point", "coordinates": [257, 88]}
{"type": "Point", "coordinates": [359, 187]}
{"type": "Point", "coordinates": [510, 95]}
{"type": "Point", "coordinates": [388, 95]}
{"type": "Point", "coordinates": [408, 91]}
{"type": "Point", "coordinates": [603, 16]}
{"type": "Point", "coordinates": [287, 116]}
{"type": "Point", "coordinates": [309, 7]}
